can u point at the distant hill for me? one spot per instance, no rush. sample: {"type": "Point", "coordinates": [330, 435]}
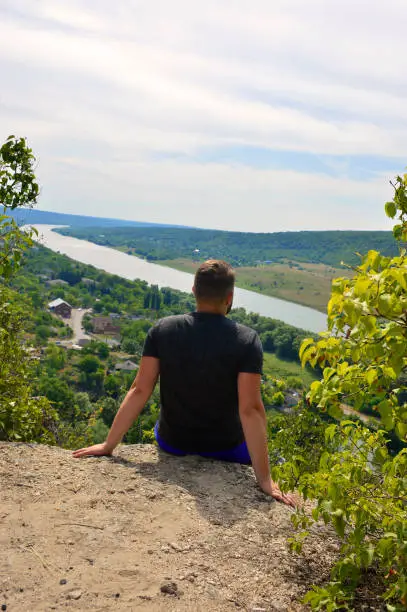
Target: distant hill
{"type": "Point", "coordinates": [33, 217]}
{"type": "Point", "coordinates": [241, 248]}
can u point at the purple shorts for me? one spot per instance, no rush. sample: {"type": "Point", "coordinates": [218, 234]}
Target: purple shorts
{"type": "Point", "coordinates": [239, 454]}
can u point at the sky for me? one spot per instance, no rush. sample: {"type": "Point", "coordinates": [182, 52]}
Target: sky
{"type": "Point", "coordinates": [251, 115]}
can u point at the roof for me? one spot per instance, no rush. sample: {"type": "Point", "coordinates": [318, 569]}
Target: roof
{"type": "Point", "coordinates": [126, 365]}
{"type": "Point", "coordinates": [58, 302]}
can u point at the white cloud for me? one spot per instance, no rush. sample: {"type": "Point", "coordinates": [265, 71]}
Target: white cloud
{"type": "Point", "coordinates": [104, 90]}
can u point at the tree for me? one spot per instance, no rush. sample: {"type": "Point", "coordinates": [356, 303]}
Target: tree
{"type": "Point", "coordinates": [18, 185]}
{"type": "Point", "coordinates": [22, 416]}
{"type": "Point", "coordinates": [60, 394]}
{"type": "Point", "coordinates": [55, 358]}
{"type": "Point", "coordinates": [83, 404]}
{"type": "Point", "coordinates": [89, 364]}
{"type": "Point", "coordinates": [42, 333]}
{"type": "Point", "coordinates": [277, 399]}
{"type": "Point", "coordinates": [112, 385]}
{"type": "Point", "coordinates": [359, 484]}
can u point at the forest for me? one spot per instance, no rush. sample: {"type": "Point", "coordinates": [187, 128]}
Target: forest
{"type": "Point", "coordinates": [239, 248]}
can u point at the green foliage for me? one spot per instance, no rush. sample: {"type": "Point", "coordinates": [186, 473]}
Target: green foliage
{"type": "Point", "coordinates": [294, 382]}
{"type": "Point", "coordinates": [359, 483]}
{"type": "Point", "coordinates": [100, 431]}
{"type": "Point", "coordinates": [18, 186]}
{"type": "Point", "coordinates": [89, 364]}
{"type": "Point", "coordinates": [22, 417]}
{"type": "Point", "coordinates": [277, 399]}
{"type": "Point", "coordinates": [13, 244]}
{"type": "Point", "coordinates": [238, 248]}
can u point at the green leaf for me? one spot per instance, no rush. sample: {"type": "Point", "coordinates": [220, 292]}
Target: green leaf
{"type": "Point", "coordinates": [339, 525]}
{"type": "Point", "coordinates": [371, 376]}
{"type": "Point", "coordinates": [390, 209]}
{"type": "Point", "coordinates": [330, 432]}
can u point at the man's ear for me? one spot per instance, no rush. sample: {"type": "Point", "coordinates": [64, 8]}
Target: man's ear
{"type": "Point", "coordinates": [229, 303]}
{"type": "Point", "coordinates": [193, 290]}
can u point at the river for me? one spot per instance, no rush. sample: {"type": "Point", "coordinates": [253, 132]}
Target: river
{"type": "Point", "coordinates": [131, 267]}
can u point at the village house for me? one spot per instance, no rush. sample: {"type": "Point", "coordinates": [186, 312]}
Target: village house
{"type": "Point", "coordinates": [126, 366]}
{"type": "Point", "coordinates": [60, 308]}
{"type": "Point", "coordinates": [104, 325]}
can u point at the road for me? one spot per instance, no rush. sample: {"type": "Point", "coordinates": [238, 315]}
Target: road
{"type": "Point", "coordinates": [75, 322]}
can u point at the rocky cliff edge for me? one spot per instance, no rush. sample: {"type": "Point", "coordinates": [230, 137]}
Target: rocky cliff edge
{"type": "Point", "coordinates": [146, 531]}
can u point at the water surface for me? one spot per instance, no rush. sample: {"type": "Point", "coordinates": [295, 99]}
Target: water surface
{"type": "Point", "coordinates": [131, 267]}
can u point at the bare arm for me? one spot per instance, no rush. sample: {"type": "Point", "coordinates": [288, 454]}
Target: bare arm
{"type": "Point", "coordinates": [253, 419]}
{"type": "Point", "coordinates": [130, 409]}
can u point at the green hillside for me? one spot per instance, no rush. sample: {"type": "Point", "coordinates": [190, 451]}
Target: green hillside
{"type": "Point", "coordinates": [239, 248]}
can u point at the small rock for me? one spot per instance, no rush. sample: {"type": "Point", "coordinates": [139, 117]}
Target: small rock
{"type": "Point", "coordinates": [169, 588]}
{"type": "Point", "coordinates": [150, 552]}
{"type": "Point", "coordinates": [75, 594]}
{"type": "Point", "coordinates": [63, 581]}
{"type": "Point", "coordinates": [4, 607]}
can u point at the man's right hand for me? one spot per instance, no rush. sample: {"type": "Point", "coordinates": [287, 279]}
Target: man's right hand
{"type": "Point", "coordinates": [271, 488]}
{"type": "Point", "coordinates": [97, 450]}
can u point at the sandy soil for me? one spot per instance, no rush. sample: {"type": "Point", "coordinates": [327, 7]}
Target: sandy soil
{"type": "Point", "coordinates": [115, 533]}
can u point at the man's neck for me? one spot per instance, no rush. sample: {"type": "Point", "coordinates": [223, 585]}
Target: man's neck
{"type": "Point", "coordinates": [211, 308]}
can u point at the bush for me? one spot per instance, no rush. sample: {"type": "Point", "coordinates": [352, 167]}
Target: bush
{"type": "Point", "coordinates": [22, 417]}
{"type": "Point", "coordinates": [358, 483]}
{"type": "Point", "coordinates": [277, 399]}
{"type": "Point", "coordinates": [294, 382]}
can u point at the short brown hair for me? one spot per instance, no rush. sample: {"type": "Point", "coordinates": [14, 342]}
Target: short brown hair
{"type": "Point", "coordinates": [214, 280]}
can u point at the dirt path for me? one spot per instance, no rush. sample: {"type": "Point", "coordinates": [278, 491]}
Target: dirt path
{"type": "Point", "coordinates": [75, 322]}
{"type": "Point", "coordinates": [112, 534]}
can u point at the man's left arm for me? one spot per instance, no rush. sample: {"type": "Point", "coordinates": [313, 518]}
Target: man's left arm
{"type": "Point", "coordinates": [131, 407]}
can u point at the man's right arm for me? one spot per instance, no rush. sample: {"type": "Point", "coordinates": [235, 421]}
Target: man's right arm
{"type": "Point", "coordinates": [253, 419]}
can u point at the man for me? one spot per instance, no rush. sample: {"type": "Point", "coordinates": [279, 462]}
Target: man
{"type": "Point", "coordinates": [210, 376]}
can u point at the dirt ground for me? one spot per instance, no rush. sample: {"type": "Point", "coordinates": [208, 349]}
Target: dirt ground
{"type": "Point", "coordinates": [116, 533]}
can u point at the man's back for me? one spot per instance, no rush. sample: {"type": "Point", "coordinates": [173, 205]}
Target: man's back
{"type": "Point", "coordinates": [210, 383]}
{"type": "Point", "coordinates": [201, 355]}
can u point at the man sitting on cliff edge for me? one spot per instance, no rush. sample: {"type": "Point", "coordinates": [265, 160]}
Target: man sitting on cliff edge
{"type": "Point", "coordinates": [210, 375]}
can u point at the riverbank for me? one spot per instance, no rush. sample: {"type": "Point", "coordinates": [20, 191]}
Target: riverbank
{"type": "Point", "coordinates": [305, 284]}
{"type": "Point", "coordinates": [130, 267]}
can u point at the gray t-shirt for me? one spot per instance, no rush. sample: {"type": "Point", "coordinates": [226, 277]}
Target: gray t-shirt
{"type": "Point", "coordinates": [201, 355]}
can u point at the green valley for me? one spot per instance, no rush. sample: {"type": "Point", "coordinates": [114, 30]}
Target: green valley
{"type": "Point", "coordinates": [294, 266]}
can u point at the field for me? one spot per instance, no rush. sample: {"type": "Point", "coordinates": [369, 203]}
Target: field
{"type": "Point", "coordinates": [306, 283]}
{"type": "Point", "coordinates": [278, 368]}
